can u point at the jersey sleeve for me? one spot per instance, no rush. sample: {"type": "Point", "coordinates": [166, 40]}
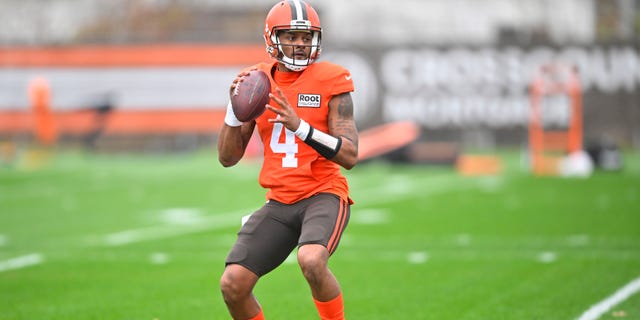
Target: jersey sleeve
{"type": "Point", "coordinates": [335, 78]}
{"type": "Point", "coordinates": [342, 81]}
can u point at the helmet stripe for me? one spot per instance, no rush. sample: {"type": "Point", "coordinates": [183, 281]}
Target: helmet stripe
{"type": "Point", "coordinates": [298, 10]}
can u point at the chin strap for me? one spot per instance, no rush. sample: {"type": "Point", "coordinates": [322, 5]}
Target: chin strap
{"type": "Point", "coordinates": [291, 63]}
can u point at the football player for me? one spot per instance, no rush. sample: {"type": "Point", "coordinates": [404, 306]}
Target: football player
{"type": "Point", "coordinates": [308, 133]}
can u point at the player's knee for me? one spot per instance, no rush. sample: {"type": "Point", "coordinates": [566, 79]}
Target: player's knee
{"type": "Point", "coordinates": [313, 263]}
{"type": "Point", "coordinates": [232, 286]}
{"type": "Point", "coordinates": [227, 287]}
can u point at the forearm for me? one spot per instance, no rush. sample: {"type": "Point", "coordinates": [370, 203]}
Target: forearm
{"type": "Point", "coordinates": [230, 145]}
{"type": "Point", "coordinates": [341, 149]}
{"type": "Point", "coordinates": [233, 138]}
{"type": "Point", "coordinates": [347, 156]}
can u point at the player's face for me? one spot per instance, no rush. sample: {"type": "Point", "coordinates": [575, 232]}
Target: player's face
{"type": "Point", "coordinates": [296, 45]}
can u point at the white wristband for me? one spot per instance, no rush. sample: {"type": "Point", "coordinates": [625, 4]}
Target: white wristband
{"type": "Point", "coordinates": [326, 145]}
{"type": "Point", "coordinates": [230, 118]}
{"type": "Point", "coordinates": [303, 130]}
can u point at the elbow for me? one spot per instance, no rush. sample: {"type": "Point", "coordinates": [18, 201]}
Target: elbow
{"type": "Point", "coordinates": [347, 158]}
{"type": "Point", "coordinates": [227, 164]}
{"type": "Point", "coordinates": [229, 158]}
{"type": "Point", "coordinates": [227, 161]}
{"type": "Point", "coordinates": [349, 162]}
{"type": "Point", "coordinates": [349, 166]}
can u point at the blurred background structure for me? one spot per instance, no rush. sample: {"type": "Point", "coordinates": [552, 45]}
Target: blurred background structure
{"type": "Point", "coordinates": [152, 75]}
{"type": "Point", "coordinates": [357, 22]}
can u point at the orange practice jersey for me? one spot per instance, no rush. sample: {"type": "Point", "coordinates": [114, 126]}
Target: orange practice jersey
{"type": "Point", "coordinates": [291, 169]}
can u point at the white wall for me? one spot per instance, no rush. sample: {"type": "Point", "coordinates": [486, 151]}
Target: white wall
{"type": "Point", "coordinates": [345, 22]}
{"type": "Point", "coordinates": [455, 21]}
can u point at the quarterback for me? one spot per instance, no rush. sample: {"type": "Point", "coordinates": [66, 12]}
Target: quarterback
{"type": "Point", "coordinates": [308, 133]}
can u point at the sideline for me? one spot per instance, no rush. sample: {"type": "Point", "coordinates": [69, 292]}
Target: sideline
{"type": "Point", "coordinates": [605, 305]}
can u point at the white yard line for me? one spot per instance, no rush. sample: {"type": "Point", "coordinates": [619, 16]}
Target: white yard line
{"type": "Point", "coordinates": [403, 186]}
{"type": "Point", "coordinates": [172, 230]}
{"type": "Point", "coordinates": [21, 262]}
{"type": "Point", "coordinates": [605, 305]}
{"type": "Point", "coordinates": [398, 186]}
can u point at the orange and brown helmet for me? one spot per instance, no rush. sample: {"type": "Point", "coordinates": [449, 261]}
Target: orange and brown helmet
{"type": "Point", "coordinates": [292, 15]}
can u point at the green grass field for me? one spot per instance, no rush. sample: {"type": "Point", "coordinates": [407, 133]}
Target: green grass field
{"type": "Point", "coordinates": [144, 238]}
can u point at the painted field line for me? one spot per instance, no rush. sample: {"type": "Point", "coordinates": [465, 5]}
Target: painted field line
{"type": "Point", "coordinates": [168, 231]}
{"type": "Point", "coordinates": [402, 187]}
{"type": "Point", "coordinates": [605, 305]}
{"type": "Point", "coordinates": [21, 262]}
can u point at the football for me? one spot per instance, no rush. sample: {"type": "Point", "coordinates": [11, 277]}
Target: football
{"type": "Point", "coordinates": [249, 98]}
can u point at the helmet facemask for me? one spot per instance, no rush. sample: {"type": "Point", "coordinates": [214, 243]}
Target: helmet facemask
{"type": "Point", "coordinates": [277, 48]}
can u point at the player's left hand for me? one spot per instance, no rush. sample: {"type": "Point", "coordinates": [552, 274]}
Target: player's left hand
{"type": "Point", "coordinates": [285, 114]}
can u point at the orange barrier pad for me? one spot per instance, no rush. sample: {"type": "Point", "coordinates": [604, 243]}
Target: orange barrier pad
{"type": "Point", "coordinates": [121, 121]}
{"type": "Point", "coordinates": [478, 165]}
{"type": "Point", "coordinates": [138, 56]}
{"type": "Point", "coordinates": [385, 138]}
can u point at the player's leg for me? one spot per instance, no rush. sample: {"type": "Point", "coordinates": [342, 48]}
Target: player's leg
{"type": "Point", "coordinates": [325, 288]}
{"type": "Point", "coordinates": [263, 243]}
{"type": "Point", "coordinates": [323, 224]}
{"type": "Point", "coordinates": [237, 284]}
